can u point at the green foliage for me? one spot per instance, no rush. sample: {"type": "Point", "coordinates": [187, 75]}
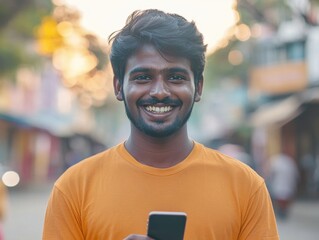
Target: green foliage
{"type": "Point", "coordinates": [10, 57]}
{"type": "Point", "coordinates": [261, 11]}
{"type": "Point", "coordinates": [258, 11]}
{"type": "Point", "coordinates": [18, 20]}
{"type": "Point", "coordinates": [218, 67]}
{"type": "Point", "coordinates": [25, 22]}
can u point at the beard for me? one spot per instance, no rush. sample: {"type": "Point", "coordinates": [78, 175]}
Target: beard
{"type": "Point", "coordinates": [158, 131]}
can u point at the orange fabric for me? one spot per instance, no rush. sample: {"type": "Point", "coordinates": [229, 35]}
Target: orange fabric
{"type": "Point", "coordinates": [110, 195]}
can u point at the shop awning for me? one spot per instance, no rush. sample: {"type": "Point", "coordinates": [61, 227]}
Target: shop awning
{"type": "Point", "coordinates": [281, 112]}
{"type": "Point", "coordinates": [13, 119]}
{"type": "Point", "coordinates": [278, 113]}
{"type": "Point", "coordinates": [56, 125]}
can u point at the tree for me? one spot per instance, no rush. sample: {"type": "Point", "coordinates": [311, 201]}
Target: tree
{"type": "Point", "coordinates": [251, 12]}
{"type": "Point", "coordinates": [18, 20]}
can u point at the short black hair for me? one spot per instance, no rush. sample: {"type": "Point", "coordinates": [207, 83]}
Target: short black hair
{"type": "Point", "coordinates": [171, 34]}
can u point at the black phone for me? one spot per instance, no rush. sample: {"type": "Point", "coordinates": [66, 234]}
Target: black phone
{"type": "Point", "coordinates": [166, 225]}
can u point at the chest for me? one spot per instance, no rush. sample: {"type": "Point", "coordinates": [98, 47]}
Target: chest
{"type": "Point", "coordinates": [117, 208]}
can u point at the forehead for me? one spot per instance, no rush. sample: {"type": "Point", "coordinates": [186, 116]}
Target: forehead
{"type": "Point", "coordinates": [149, 57]}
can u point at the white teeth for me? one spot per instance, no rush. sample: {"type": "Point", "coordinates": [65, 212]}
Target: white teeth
{"type": "Point", "coordinates": [158, 109]}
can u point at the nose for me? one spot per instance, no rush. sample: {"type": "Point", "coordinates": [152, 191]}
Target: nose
{"type": "Point", "coordinates": [159, 89]}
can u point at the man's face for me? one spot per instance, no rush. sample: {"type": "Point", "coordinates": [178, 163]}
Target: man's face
{"type": "Point", "coordinates": [158, 92]}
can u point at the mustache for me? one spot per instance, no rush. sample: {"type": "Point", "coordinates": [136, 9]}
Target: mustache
{"type": "Point", "coordinates": [153, 101]}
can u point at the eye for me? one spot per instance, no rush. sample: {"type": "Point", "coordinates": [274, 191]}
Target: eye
{"type": "Point", "coordinates": [176, 77]}
{"type": "Point", "coordinates": [141, 78]}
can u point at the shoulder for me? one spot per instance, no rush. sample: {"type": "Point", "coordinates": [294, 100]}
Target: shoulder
{"type": "Point", "coordinates": [94, 161]}
{"type": "Point", "coordinates": [231, 176]}
{"type": "Point", "coordinates": [227, 165]}
{"type": "Point", "coordinates": [89, 169]}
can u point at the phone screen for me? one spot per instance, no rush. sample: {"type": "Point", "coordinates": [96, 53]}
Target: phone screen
{"type": "Point", "coordinates": [166, 225]}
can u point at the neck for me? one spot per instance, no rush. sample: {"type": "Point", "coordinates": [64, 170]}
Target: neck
{"type": "Point", "coordinates": [159, 152]}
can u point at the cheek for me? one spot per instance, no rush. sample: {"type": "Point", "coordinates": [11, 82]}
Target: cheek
{"type": "Point", "coordinates": [187, 93]}
{"type": "Point", "coordinates": [132, 93]}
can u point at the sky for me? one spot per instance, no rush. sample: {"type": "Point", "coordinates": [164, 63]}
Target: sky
{"type": "Point", "coordinates": [102, 17]}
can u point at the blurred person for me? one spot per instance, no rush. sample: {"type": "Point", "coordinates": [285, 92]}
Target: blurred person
{"type": "Point", "coordinates": [78, 150]}
{"type": "Point", "coordinates": [3, 207]}
{"type": "Point", "coordinates": [310, 168]}
{"type": "Point", "coordinates": [237, 152]}
{"type": "Point", "coordinates": [158, 60]}
{"type": "Point", "coordinates": [316, 176]}
{"type": "Point", "coordinates": [283, 183]}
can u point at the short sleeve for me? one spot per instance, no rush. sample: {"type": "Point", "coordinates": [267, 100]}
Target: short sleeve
{"type": "Point", "coordinates": [259, 220]}
{"type": "Point", "coordinates": [62, 221]}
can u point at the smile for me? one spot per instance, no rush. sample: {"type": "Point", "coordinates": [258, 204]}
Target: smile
{"type": "Point", "coordinates": [154, 109]}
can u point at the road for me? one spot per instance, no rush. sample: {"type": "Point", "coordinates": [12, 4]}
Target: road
{"type": "Point", "coordinates": [26, 211]}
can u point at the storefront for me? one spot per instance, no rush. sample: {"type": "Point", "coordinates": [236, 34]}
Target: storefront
{"type": "Point", "coordinates": [290, 126]}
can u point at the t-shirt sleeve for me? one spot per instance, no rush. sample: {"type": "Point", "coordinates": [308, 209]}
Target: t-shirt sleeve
{"type": "Point", "coordinates": [259, 220]}
{"type": "Point", "coordinates": [62, 221]}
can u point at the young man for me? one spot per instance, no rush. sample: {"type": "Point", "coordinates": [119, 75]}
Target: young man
{"type": "Point", "coordinates": [158, 61]}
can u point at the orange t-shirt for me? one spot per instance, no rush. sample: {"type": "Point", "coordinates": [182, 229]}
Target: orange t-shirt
{"type": "Point", "coordinates": [109, 196]}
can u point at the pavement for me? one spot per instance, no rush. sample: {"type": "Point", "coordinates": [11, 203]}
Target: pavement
{"type": "Point", "coordinates": [302, 223]}
{"type": "Point", "coordinates": [26, 210]}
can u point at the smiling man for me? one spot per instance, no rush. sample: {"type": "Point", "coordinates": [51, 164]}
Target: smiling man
{"type": "Point", "coordinates": [162, 92]}
{"type": "Point", "coordinates": [158, 61]}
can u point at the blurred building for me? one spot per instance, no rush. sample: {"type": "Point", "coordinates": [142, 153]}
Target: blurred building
{"type": "Point", "coordinates": [284, 99]}
{"type": "Point", "coordinates": [52, 92]}
{"type": "Point", "coordinates": [43, 129]}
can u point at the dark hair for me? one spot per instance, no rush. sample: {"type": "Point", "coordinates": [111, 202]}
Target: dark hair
{"type": "Point", "coordinates": [170, 34]}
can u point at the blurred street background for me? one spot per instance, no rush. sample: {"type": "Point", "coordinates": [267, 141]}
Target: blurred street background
{"type": "Point", "coordinates": [260, 102]}
{"type": "Point", "coordinates": [27, 209]}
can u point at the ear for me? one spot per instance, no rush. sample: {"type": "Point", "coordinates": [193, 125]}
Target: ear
{"type": "Point", "coordinates": [117, 88]}
{"type": "Point", "coordinates": [199, 89]}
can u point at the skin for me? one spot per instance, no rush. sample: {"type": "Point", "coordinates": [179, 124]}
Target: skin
{"type": "Point", "coordinates": [158, 138]}
{"type": "Point", "coordinates": [137, 237]}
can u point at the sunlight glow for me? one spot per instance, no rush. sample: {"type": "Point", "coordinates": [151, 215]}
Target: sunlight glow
{"type": "Point", "coordinates": [213, 17]}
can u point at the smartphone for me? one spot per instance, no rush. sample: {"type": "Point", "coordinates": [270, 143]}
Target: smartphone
{"type": "Point", "coordinates": [166, 225]}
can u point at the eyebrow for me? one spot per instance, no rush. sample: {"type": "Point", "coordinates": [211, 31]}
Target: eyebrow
{"type": "Point", "coordinates": [140, 69]}
{"type": "Point", "coordinates": [178, 69]}
{"type": "Point", "coordinates": [170, 70]}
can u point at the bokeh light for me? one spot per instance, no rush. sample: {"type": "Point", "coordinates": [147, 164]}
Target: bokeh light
{"type": "Point", "coordinates": [235, 57]}
{"type": "Point", "coordinates": [242, 32]}
{"type": "Point", "coordinates": [10, 178]}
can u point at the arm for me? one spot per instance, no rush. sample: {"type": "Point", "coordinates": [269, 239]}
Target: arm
{"type": "Point", "coordinates": [62, 221]}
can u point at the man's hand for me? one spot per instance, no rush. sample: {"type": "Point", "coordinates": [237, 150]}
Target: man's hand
{"type": "Point", "coordinates": [137, 237]}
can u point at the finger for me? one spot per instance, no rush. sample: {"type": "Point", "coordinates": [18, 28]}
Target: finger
{"type": "Point", "coordinates": [137, 237]}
